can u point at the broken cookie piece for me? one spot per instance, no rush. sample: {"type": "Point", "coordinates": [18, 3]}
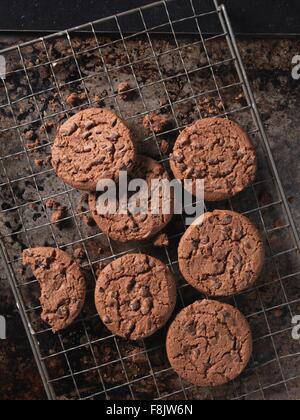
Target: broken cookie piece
{"type": "Point", "coordinates": [63, 287]}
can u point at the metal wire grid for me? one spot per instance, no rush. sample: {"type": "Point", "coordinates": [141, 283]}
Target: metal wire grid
{"type": "Point", "coordinates": [74, 363]}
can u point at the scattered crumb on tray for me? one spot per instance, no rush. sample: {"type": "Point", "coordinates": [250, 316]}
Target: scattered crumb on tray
{"type": "Point", "coordinates": [156, 123]}
{"type": "Point", "coordinates": [161, 240]}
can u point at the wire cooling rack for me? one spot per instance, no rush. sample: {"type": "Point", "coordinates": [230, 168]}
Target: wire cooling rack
{"type": "Point", "coordinates": [51, 78]}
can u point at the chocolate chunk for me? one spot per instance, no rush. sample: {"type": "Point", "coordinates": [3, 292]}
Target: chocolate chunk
{"type": "Point", "coordinates": [106, 320]}
{"type": "Point", "coordinates": [146, 306]}
{"type": "Point", "coordinates": [204, 240]}
{"type": "Point", "coordinates": [227, 219]}
{"type": "Point", "coordinates": [179, 159]}
{"type": "Point", "coordinates": [114, 137]}
{"type": "Point", "coordinates": [69, 129]}
{"type": "Point", "coordinates": [135, 306]}
{"type": "Point", "coordinates": [145, 292]}
{"type": "Point", "coordinates": [86, 135]}
{"type": "Point", "coordinates": [88, 125]}
{"type": "Point", "coordinates": [130, 285]}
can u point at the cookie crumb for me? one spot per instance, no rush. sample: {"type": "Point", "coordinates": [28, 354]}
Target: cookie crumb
{"type": "Point", "coordinates": [210, 107]}
{"type": "Point", "coordinates": [59, 214]}
{"type": "Point", "coordinates": [39, 163]}
{"type": "Point", "coordinates": [124, 90]}
{"type": "Point", "coordinates": [30, 135]}
{"type": "Point", "coordinates": [21, 270]}
{"type": "Point", "coordinates": [139, 358]}
{"type": "Point", "coordinates": [157, 123]}
{"type": "Point", "coordinates": [161, 240]}
{"type": "Point", "coordinates": [88, 220]}
{"type": "Point", "coordinates": [241, 99]}
{"type": "Point", "coordinates": [51, 204]}
{"type": "Point", "coordinates": [49, 126]}
{"type": "Point", "coordinates": [278, 313]}
{"type": "Point", "coordinates": [164, 147]}
{"type": "Point", "coordinates": [73, 99]}
{"type": "Point", "coordinates": [33, 145]}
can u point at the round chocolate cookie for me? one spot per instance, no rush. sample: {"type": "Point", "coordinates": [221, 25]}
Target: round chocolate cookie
{"type": "Point", "coordinates": [209, 343]}
{"type": "Point", "coordinates": [137, 226]}
{"type": "Point", "coordinates": [218, 151]}
{"type": "Point", "coordinates": [62, 283]}
{"type": "Point", "coordinates": [135, 296]}
{"type": "Point", "coordinates": [222, 254]}
{"type": "Point", "coordinates": [93, 145]}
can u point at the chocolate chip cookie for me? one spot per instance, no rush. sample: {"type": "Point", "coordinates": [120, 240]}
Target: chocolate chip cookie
{"type": "Point", "coordinates": [142, 225]}
{"type": "Point", "coordinates": [62, 283]}
{"type": "Point", "coordinates": [135, 296]}
{"type": "Point", "coordinates": [219, 152]}
{"type": "Point", "coordinates": [222, 254]}
{"type": "Point", "coordinates": [209, 343]}
{"type": "Point", "coordinates": [94, 144]}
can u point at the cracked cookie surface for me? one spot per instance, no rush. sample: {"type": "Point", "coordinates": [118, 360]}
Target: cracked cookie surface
{"type": "Point", "coordinates": [141, 226]}
{"type": "Point", "coordinates": [209, 343]}
{"type": "Point", "coordinates": [63, 287]}
{"type": "Point", "coordinates": [218, 151]}
{"type": "Point", "coordinates": [135, 296]}
{"type": "Point", "coordinates": [222, 255]}
{"type": "Point", "coordinates": [92, 145]}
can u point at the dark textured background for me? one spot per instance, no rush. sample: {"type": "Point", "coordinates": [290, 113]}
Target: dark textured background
{"type": "Point", "coordinates": [268, 63]}
{"type": "Point", "coordinates": [254, 16]}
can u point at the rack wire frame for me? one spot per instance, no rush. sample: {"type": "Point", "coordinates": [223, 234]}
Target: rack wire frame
{"type": "Point", "coordinates": [283, 378]}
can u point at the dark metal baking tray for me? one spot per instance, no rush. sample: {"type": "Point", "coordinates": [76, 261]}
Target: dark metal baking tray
{"type": "Point", "coordinates": [186, 78]}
